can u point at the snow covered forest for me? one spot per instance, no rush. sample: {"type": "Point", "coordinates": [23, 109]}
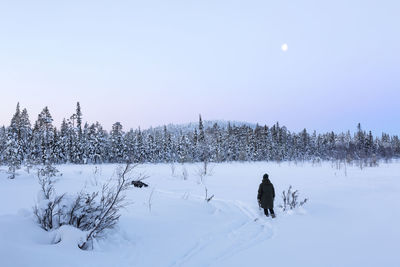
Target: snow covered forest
{"type": "Point", "coordinates": [78, 143]}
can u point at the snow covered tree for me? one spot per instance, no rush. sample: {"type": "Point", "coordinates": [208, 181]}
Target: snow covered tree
{"type": "Point", "coordinates": [202, 145]}
{"type": "Point", "coordinates": [3, 144]}
{"type": "Point", "coordinates": [14, 149]}
{"type": "Point", "coordinates": [140, 155]}
{"type": "Point", "coordinates": [25, 131]}
{"type": "Point", "coordinates": [78, 116]}
{"type": "Point", "coordinates": [43, 138]}
{"type": "Point", "coordinates": [79, 142]}
{"type": "Point", "coordinates": [117, 143]}
{"type": "Point", "coordinates": [167, 146]}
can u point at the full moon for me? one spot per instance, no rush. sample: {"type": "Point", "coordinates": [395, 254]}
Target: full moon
{"type": "Point", "coordinates": [284, 47]}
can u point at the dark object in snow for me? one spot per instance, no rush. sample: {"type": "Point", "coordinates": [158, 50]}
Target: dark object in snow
{"type": "Point", "coordinates": [139, 184]}
{"type": "Point", "coordinates": [266, 195]}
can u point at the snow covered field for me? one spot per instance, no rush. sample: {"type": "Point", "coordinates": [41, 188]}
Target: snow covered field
{"type": "Point", "coordinates": [349, 220]}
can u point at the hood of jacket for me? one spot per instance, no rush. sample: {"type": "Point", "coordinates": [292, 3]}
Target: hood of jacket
{"type": "Point", "coordinates": [266, 181]}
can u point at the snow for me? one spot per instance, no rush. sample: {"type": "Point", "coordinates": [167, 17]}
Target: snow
{"type": "Point", "coordinates": [351, 218]}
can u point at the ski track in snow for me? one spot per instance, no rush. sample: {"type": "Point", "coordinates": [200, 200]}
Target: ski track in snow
{"type": "Point", "coordinates": [241, 241]}
{"type": "Point", "coordinates": [248, 233]}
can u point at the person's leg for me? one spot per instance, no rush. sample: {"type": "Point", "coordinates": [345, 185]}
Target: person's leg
{"type": "Point", "coordinates": [271, 210]}
{"type": "Point", "coordinates": [266, 212]}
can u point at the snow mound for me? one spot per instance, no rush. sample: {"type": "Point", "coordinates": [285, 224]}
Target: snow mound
{"type": "Point", "coordinates": [68, 237]}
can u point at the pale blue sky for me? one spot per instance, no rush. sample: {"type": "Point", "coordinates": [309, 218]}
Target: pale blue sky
{"type": "Point", "coordinates": [154, 62]}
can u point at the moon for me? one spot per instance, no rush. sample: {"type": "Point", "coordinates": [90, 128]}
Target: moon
{"type": "Point", "coordinates": [284, 47]}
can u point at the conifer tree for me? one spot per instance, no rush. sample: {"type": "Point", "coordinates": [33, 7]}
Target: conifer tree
{"type": "Point", "coordinates": [100, 144]}
{"type": "Point", "coordinates": [117, 144]}
{"type": "Point", "coordinates": [14, 150]}
{"type": "Point", "coordinates": [167, 146]}
{"type": "Point", "coordinates": [25, 133]}
{"type": "Point", "coordinates": [78, 119]}
{"type": "Point", "coordinates": [43, 137]}
{"type": "Point", "coordinates": [3, 144]}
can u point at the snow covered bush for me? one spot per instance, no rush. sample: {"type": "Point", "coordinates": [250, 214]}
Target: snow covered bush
{"type": "Point", "coordinates": [47, 209]}
{"type": "Point", "coordinates": [48, 171]}
{"type": "Point", "coordinates": [92, 213]}
{"type": "Point", "coordinates": [290, 199]}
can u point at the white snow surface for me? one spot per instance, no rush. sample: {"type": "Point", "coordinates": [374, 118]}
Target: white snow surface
{"type": "Point", "coordinates": [350, 220]}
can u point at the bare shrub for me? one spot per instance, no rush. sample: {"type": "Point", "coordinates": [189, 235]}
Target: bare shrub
{"type": "Point", "coordinates": [208, 199]}
{"type": "Point", "coordinates": [173, 168]}
{"type": "Point", "coordinates": [151, 199]}
{"type": "Point", "coordinates": [96, 172]}
{"type": "Point", "coordinates": [47, 211]}
{"type": "Point", "coordinates": [206, 169]}
{"type": "Point", "coordinates": [111, 201]}
{"type": "Point", "coordinates": [202, 171]}
{"type": "Point", "coordinates": [186, 196]}
{"type": "Point", "coordinates": [185, 174]}
{"type": "Point", "coordinates": [90, 212]}
{"type": "Point", "coordinates": [290, 199]}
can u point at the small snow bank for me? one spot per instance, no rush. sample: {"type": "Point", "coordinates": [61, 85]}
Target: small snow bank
{"type": "Point", "coordinates": [20, 229]}
{"type": "Point", "coordinates": [24, 244]}
{"type": "Point", "coordinates": [68, 237]}
{"type": "Point", "coordinates": [20, 239]}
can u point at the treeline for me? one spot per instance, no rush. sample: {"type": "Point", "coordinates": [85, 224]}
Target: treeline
{"type": "Point", "coordinates": [78, 143]}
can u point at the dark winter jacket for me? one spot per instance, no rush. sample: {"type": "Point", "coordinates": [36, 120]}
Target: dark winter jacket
{"type": "Point", "coordinates": [266, 194]}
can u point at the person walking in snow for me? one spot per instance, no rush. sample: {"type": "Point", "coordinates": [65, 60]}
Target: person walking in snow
{"type": "Point", "coordinates": [266, 196]}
